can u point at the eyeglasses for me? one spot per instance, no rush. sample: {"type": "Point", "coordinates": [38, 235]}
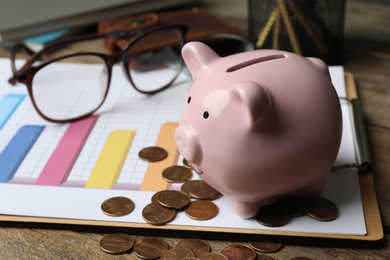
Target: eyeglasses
{"type": "Point", "coordinates": [150, 52]}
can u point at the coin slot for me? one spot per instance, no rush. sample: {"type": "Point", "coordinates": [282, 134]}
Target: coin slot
{"type": "Point", "coordinates": [255, 61]}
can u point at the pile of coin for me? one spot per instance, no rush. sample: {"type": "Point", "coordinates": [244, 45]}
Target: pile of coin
{"type": "Point", "coordinates": [189, 248]}
{"type": "Point", "coordinates": [164, 204]}
{"type": "Point", "coordinates": [279, 213]}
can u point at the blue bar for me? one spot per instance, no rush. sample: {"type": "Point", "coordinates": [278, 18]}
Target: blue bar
{"type": "Point", "coordinates": [17, 149]}
{"type": "Point", "coordinates": [8, 105]}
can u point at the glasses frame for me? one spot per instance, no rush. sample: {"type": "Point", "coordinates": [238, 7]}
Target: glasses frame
{"type": "Point", "coordinates": [26, 73]}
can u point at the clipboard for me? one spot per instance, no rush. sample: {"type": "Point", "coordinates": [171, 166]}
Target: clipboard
{"type": "Point", "coordinates": [374, 228]}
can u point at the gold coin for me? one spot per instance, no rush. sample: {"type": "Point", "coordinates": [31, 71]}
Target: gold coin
{"type": "Point", "coordinates": [197, 246]}
{"type": "Point", "coordinates": [177, 253]}
{"type": "Point", "coordinates": [213, 256]}
{"type": "Point", "coordinates": [272, 216]}
{"type": "Point", "coordinates": [201, 190]}
{"type": "Point", "coordinates": [201, 210]}
{"type": "Point", "coordinates": [150, 248]}
{"type": "Point", "coordinates": [265, 247]}
{"type": "Point", "coordinates": [173, 199]}
{"type": "Point", "coordinates": [117, 206]}
{"type": "Point", "coordinates": [177, 174]}
{"type": "Point", "coordinates": [116, 243]}
{"type": "Point", "coordinates": [295, 205]}
{"type": "Point", "coordinates": [155, 214]}
{"type": "Point", "coordinates": [152, 154]}
{"type": "Point", "coordinates": [321, 209]}
{"type": "Point", "coordinates": [239, 252]}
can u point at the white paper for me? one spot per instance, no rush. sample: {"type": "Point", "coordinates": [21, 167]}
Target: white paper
{"type": "Point", "coordinates": [146, 114]}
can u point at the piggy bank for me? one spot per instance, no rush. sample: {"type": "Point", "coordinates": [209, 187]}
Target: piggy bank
{"type": "Point", "coordinates": [259, 125]}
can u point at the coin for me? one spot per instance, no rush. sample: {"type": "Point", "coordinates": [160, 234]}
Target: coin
{"type": "Point", "coordinates": [187, 163]}
{"type": "Point", "coordinates": [117, 206]}
{"type": "Point", "coordinates": [150, 247]}
{"type": "Point", "coordinates": [301, 258]}
{"type": "Point", "coordinates": [239, 252]}
{"type": "Point", "coordinates": [152, 154]}
{"type": "Point", "coordinates": [173, 199]}
{"type": "Point", "coordinates": [294, 204]}
{"type": "Point", "coordinates": [177, 253]}
{"type": "Point", "coordinates": [264, 257]}
{"type": "Point", "coordinates": [213, 256]}
{"type": "Point", "coordinates": [197, 246]}
{"type": "Point", "coordinates": [321, 209]}
{"type": "Point", "coordinates": [186, 187]}
{"type": "Point", "coordinates": [154, 198]}
{"type": "Point", "coordinates": [155, 214]}
{"type": "Point", "coordinates": [201, 190]}
{"type": "Point", "coordinates": [177, 174]}
{"type": "Point", "coordinates": [265, 247]}
{"type": "Point", "coordinates": [201, 210]}
{"type": "Point", "coordinates": [116, 243]}
{"type": "Point", "coordinates": [272, 216]}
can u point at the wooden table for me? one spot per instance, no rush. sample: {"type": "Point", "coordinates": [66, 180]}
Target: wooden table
{"type": "Point", "coordinates": [367, 56]}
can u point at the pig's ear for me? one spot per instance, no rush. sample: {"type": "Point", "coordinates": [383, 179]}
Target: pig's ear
{"type": "Point", "coordinates": [197, 57]}
{"type": "Point", "coordinates": [255, 102]}
{"type": "Point", "coordinates": [319, 64]}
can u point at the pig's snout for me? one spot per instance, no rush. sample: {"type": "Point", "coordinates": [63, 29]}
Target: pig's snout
{"type": "Point", "coordinates": [187, 142]}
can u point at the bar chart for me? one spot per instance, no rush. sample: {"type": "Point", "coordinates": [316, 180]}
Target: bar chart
{"type": "Point", "coordinates": [100, 151]}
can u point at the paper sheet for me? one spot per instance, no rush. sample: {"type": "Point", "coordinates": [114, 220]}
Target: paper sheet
{"type": "Point", "coordinates": [126, 109]}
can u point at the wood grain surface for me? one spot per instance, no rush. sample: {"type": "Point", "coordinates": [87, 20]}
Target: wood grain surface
{"type": "Point", "coordinates": [366, 54]}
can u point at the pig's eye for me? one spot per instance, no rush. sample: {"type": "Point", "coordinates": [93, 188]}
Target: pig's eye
{"type": "Point", "coordinates": [205, 114]}
{"type": "Point", "coordinates": [189, 99]}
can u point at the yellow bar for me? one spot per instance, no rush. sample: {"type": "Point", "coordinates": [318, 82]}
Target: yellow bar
{"type": "Point", "coordinates": [108, 167]}
{"type": "Point", "coordinates": [153, 180]}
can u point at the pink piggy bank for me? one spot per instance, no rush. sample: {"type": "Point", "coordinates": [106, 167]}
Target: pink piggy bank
{"type": "Point", "coordinates": [260, 124]}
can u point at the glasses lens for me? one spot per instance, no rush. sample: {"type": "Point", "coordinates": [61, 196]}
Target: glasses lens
{"type": "Point", "coordinates": [154, 61]}
{"type": "Point", "coordinates": [63, 90]}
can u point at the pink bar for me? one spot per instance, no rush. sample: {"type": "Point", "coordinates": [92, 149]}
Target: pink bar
{"type": "Point", "coordinates": [61, 162]}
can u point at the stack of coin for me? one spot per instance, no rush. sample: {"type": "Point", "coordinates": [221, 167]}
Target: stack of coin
{"type": "Point", "coordinates": [163, 208]}
{"type": "Point", "coordinates": [157, 215]}
{"type": "Point", "coordinates": [278, 214]}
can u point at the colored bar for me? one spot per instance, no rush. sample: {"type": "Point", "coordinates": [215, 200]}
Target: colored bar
{"type": "Point", "coordinates": [153, 180]}
{"type": "Point", "coordinates": [61, 162]}
{"type": "Point", "coordinates": [8, 105]}
{"type": "Point", "coordinates": [17, 149]}
{"type": "Point", "coordinates": [105, 173]}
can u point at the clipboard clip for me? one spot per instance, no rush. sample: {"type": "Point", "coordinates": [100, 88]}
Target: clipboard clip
{"type": "Point", "coordinates": [362, 167]}
{"type": "Point", "coordinates": [364, 158]}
